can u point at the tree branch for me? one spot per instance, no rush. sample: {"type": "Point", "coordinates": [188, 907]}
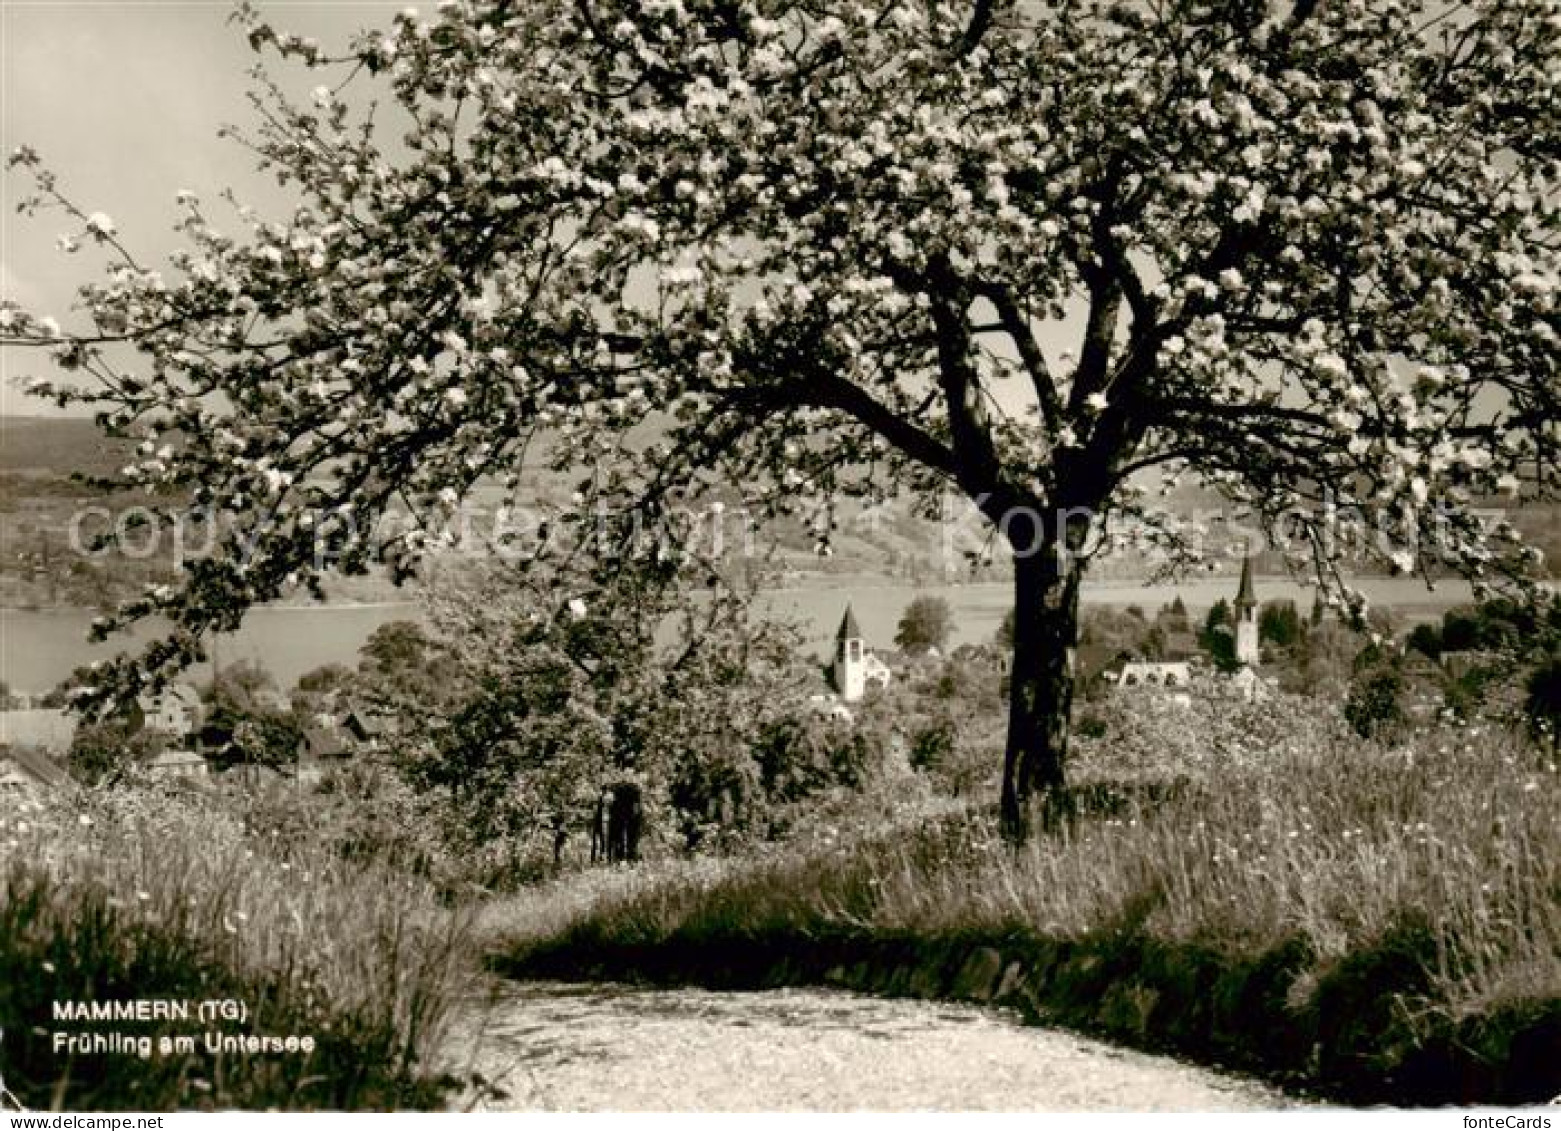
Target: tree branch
{"type": "Point", "coordinates": [976, 29]}
{"type": "Point", "coordinates": [1017, 327]}
{"type": "Point", "coordinates": [826, 390]}
{"type": "Point", "coordinates": [975, 456]}
{"type": "Point", "coordinates": [1089, 376]}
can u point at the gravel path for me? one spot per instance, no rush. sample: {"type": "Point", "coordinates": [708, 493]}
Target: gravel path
{"type": "Point", "coordinates": [556, 1047]}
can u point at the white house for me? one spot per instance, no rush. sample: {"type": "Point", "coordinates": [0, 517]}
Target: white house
{"type": "Point", "coordinates": [828, 705]}
{"type": "Point", "coordinates": [1249, 683]}
{"type": "Point", "coordinates": [174, 711]}
{"type": "Point", "coordinates": [178, 764]}
{"type": "Point", "coordinates": [855, 668]}
{"type": "Point", "coordinates": [1145, 674]}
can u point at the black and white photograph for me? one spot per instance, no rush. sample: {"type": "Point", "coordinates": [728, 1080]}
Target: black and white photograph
{"type": "Point", "coordinates": [798, 556]}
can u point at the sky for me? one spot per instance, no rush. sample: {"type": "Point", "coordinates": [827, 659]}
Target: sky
{"type": "Point", "coordinates": [123, 100]}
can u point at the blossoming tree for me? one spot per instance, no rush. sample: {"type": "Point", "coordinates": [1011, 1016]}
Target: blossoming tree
{"type": "Point", "coordinates": [1308, 252]}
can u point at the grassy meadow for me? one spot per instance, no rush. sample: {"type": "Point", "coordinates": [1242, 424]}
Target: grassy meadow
{"type": "Point", "coordinates": [1392, 897]}
{"type": "Point", "coordinates": [1247, 883]}
{"type": "Point", "coordinates": [136, 895]}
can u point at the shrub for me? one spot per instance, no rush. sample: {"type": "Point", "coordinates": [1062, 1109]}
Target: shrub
{"type": "Point", "coordinates": [1427, 640]}
{"type": "Point", "coordinates": [1374, 706]}
{"type": "Point", "coordinates": [1280, 624]}
{"type": "Point", "coordinates": [1542, 699]}
{"type": "Point", "coordinates": [932, 744]}
{"type": "Point", "coordinates": [925, 624]}
{"type": "Point", "coordinates": [1211, 731]}
{"type": "Point", "coordinates": [108, 748]}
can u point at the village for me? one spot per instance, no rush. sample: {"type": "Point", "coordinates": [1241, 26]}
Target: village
{"type": "Point", "coordinates": [181, 742]}
{"type": "Point", "coordinates": [179, 735]}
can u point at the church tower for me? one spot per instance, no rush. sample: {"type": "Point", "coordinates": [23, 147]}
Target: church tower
{"type": "Point", "coordinates": [1246, 617]}
{"type": "Point", "coordinates": [850, 669]}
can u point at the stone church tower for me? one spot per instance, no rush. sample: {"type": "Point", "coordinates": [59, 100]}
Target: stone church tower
{"type": "Point", "coordinates": [1246, 617]}
{"type": "Point", "coordinates": [850, 669]}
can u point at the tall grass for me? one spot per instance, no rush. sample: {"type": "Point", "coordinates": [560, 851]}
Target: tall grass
{"type": "Point", "coordinates": [1332, 849]}
{"type": "Point", "coordinates": [135, 895]}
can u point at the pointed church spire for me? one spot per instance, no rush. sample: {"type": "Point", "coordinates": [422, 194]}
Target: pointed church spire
{"type": "Point", "coordinates": [1246, 598]}
{"type": "Point", "coordinates": [849, 629]}
{"type": "Point", "coordinates": [1248, 647]}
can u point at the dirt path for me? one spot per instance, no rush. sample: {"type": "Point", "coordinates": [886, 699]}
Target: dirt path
{"type": "Point", "coordinates": [619, 1048]}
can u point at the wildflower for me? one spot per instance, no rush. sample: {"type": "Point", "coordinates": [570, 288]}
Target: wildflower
{"type": "Point", "coordinates": [101, 225]}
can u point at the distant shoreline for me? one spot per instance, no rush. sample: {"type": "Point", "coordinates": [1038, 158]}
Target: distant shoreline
{"type": "Point", "coordinates": [40, 646]}
{"type": "Point", "coordinates": [314, 606]}
{"type": "Point", "coordinates": [845, 582]}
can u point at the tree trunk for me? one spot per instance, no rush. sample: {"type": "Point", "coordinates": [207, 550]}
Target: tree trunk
{"type": "Point", "coordinates": [1040, 695]}
{"type": "Point", "coordinates": [625, 818]}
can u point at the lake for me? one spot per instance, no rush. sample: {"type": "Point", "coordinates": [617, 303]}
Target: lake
{"type": "Point", "coordinates": [38, 648]}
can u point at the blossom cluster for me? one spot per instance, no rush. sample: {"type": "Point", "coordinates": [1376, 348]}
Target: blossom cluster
{"type": "Point", "coordinates": [829, 246]}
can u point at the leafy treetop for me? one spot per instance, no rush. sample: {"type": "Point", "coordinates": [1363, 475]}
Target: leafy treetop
{"type": "Point", "coordinates": [1306, 251]}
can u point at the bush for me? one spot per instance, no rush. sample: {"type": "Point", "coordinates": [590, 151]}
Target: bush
{"type": "Point", "coordinates": [803, 756]}
{"type": "Point", "coordinates": [1374, 706]}
{"type": "Point", "coordinates": [1279, 624]}
{"type": "Point", "coordinates": [1211, 732]}
{"type": "Point", "coordinates": [925, 624]}
{"type": "Point", "coordinates": [1427, 640]}
{"type": "Point", "coordinates": [1091, 726]}
{"type": "Point", "coordinates": [932, 745]}
{"type": "Point", "coordinates": [1542, 699]}
{"type": "Point", "coordinates": [108, 748]}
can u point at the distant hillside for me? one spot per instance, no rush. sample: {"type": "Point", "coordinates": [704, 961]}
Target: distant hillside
{"type": "Point", "coordinates": [58, 445]}
{"type": "Point", "coordinates": [38, 453]}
